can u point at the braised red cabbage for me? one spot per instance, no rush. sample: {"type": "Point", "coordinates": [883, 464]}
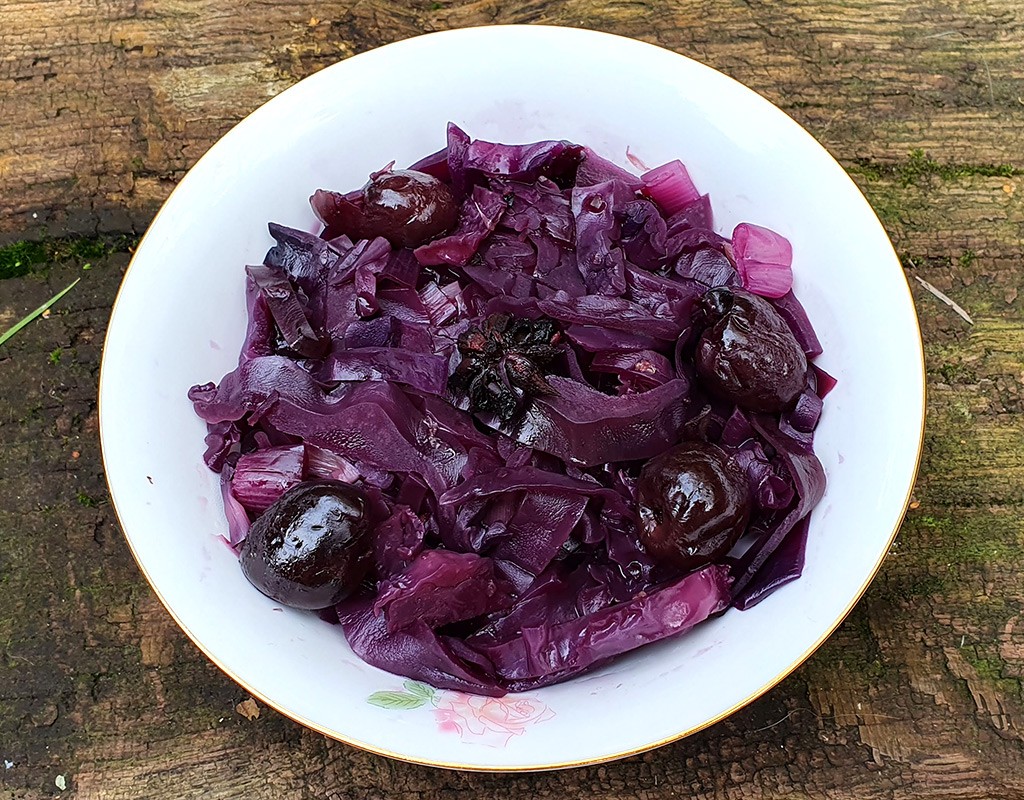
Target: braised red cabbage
{"type": "Point", "coordinates": [495, 392]}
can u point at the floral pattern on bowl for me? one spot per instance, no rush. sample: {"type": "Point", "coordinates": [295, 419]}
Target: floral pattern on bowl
{"type": "Point", "coordinates": [490, 721]}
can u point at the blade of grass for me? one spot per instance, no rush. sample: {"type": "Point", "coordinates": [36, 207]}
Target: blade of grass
{"type": "Point", "coordinates": [19, 325]}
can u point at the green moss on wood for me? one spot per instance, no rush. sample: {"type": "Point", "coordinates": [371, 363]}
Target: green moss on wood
{"type": "Point", "coordinates": [989, 613]}
{"type": "Point", "coordinates": [916, 261]}
{"type": "Point", "coordinates": [908, 587]}
{"type": "Point", "coordinates": [853, 651]}
{"type": "Point", "coordinates": [920, 168]}
{"type": "Point", "coordinates": [86, 500]}
{"type": "Point", "coordinates": [21, 258]}
{"type": "Point", "coordinates": [956, 541]}
{"type": "Point", "coordinates": [991, 670]}
{"type": "Point", "coordinates": [986, 667]}
{"type": "Point", "coordinates": [957, 373]}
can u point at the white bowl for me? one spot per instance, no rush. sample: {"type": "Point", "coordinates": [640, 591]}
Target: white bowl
{"type": "Point", "coordinates": [180, 317]}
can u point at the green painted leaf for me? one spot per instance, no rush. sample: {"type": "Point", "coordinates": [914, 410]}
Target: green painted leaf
{"type": "Point", "coordinates": [395, 700]}
{"type": "Point", "coordinates": [419, 689]}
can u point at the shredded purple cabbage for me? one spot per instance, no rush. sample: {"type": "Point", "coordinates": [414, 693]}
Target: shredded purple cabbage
{"type": "Point", "coordinates": [441, 587]}
{"type": "Point", "coordinates": [506, 550]}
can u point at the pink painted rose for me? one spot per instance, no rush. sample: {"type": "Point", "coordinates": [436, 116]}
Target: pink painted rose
{"type": "Point", "coordinates": [492, 721]}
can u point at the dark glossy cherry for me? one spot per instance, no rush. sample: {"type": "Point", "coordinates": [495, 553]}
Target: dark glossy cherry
{"type": "Point", "coordinates": [694, 505]}
{"type": "Point", "coordinates": [312, 547]}
{"type": "Point", "coordinates": [407, 208]}
{"type": "Point", "coordinates": [748, 354]}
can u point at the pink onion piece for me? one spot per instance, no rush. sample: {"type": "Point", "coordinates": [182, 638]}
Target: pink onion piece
{"type": "Point", "coordinates": [764, 260]}
{"type": "Point", "coordinates": [234, 511]}
{"type": "Point", "coordinates": [262, 476]}
{"type": "Point", "coordinates": [670, 187]}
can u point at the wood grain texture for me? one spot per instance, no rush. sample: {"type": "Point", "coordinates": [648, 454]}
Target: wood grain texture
{"type": "Point", "coordinates": [105, 104]}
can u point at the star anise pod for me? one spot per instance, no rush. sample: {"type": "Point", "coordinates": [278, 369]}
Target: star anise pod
{"type": "Point", "coordinates": [503, 360]}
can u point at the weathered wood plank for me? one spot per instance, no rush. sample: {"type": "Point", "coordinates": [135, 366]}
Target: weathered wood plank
{"type": "Point", "coordinates": [102, 109]}
{"type": "Point", "coordinates": [872, 80]}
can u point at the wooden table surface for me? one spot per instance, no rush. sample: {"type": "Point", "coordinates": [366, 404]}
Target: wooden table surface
{"type": "Point", "coordinates": [104, 105]}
